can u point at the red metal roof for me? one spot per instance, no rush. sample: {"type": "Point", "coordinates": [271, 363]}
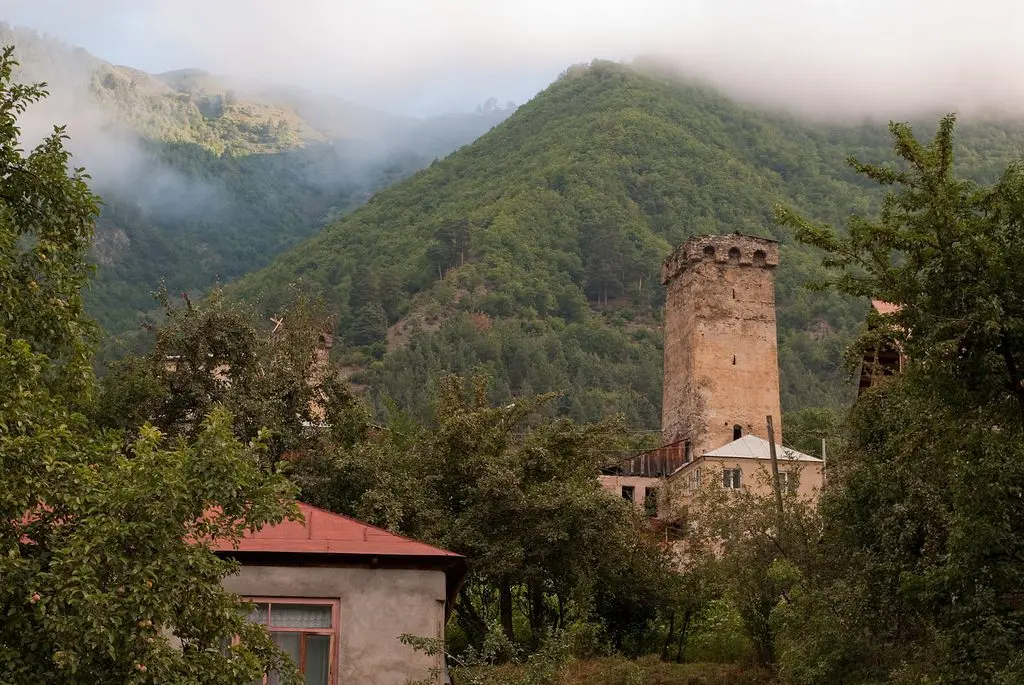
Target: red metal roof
{"type": "Point", "coordinates": [323, 532]}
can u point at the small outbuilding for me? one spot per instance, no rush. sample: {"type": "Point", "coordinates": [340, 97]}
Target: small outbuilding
{"type": "Point", "coordinates": [336, 594]}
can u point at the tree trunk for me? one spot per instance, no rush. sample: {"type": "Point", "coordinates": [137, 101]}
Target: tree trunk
{"type": "Point", "coordinates": [505, 609]}
{"type": "Point", "coordinates": [1013, 370]}
{"type": "Point", "coordinates": [537, 616]}
{"type": "Point", "coordinates": [471, 621]}
{"type": "Point", "coordinates": [681, 645]}
{"type": "Point", "coordinates": [668, 638]}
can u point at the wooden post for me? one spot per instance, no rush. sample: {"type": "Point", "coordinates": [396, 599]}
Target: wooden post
{"type": "Point", "coordinates": [776, 487]}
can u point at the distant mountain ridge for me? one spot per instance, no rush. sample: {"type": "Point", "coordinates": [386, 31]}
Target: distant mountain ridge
{"type": "Point", "coordinates": [206, 177]}
{"type": "Point", "coordinates": [534, 252]}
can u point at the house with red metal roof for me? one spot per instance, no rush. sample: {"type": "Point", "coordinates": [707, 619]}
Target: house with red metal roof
{"type": "Point", "coordinates": [336, 594]}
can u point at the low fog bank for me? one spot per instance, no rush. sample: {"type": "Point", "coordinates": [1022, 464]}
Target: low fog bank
{"type": "Point", "coordinates": [335, 145]}
{"type": "Point", "coordinates": [112, 153]}
{"type": "Point", "coordinates": [840, 60]}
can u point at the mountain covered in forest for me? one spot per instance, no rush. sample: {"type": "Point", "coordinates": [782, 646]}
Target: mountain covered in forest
{"type": "Point", "coordinates": [207, 177]}
{"type": "Point", "coordinates": [534, 253]}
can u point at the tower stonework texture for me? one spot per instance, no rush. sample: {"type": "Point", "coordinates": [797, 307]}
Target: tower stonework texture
{"type": "Point", "coordinates": [721, 353]}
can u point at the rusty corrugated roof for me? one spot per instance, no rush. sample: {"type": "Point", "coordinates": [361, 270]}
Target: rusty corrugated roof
{"type": "Point", "coordinates": [324, 532]}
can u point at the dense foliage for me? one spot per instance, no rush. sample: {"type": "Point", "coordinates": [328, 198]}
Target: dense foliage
{"type": "Point", "coordinates": [535, 251]}
{"type": "Point", "coordinates": [106, 570]}
{"type": "Point", "coordinates": [516, 494]}
{"type": "Point", "coordinates": [276, 382]}
{"type": "Point", "coordinates": [920, 566]}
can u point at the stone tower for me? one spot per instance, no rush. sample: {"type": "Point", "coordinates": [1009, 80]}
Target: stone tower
{"type": "Point", "coordinates": [721, 358]}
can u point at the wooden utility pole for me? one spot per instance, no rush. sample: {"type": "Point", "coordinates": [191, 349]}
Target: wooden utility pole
{"type": "Point", "coordinates": [776, 486]}
{"type": "Point", "coordinates": [824, 463]}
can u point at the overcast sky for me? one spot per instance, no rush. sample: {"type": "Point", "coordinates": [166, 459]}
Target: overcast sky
{"type": "Point", "coordinates": [856, 57]}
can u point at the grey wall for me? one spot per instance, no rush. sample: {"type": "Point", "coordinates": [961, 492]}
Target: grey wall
{"type": "Point", "coordinates": [377, 605]}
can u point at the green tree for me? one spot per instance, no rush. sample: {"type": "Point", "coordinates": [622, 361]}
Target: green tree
{"type": "Point", "coordinates": [218, 352]}
{"type": "Point", "coordinates": [948, 252]}
{"type": "Point", "coordinates": [367, 323]}
{"type": "Point", "coordinates": [106, 570]}
{"type": "Point", "coordinates": [919, 565]}
{"type": "Point", "coordinates": [517, 494]}
{"type": "Point", "coordinates": [754, 553]}
{"type": "Point", "coordinates": [47, 221]}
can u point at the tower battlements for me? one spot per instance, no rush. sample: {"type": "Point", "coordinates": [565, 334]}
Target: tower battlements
{"type": "Point", "coordinates": [744, 250]}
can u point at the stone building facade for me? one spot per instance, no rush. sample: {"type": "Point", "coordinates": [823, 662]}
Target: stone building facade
{"type": "Point", "coordinates": [721, 377]}
{"type": "Point", "coordinates": [721, 360]}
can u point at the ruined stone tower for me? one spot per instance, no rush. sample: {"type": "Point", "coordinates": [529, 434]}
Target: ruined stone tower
{"type": "Point", "coordinates": [721, 357]}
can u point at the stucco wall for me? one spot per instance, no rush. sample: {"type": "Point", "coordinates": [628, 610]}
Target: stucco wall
{"type": "Point", "coordinates": [756, 476]}
{"type": "Point", "coordinates": [614, 484]}
{"type": "Point", "coordinates": [377, 605]}
{"type": "Point", "coordinates": [721, 359]}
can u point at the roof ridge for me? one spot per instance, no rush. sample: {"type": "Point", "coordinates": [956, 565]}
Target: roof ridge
{"type": "Point", "coordinates": [366, 525]}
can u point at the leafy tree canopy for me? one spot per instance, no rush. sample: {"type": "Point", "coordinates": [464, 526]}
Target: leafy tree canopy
{"type": "Point", "coordinates": [515, 493]}
{"type": "Point", "coordinates": [107, 573]}
{"type": "Point", "coordinates": [919, 568]}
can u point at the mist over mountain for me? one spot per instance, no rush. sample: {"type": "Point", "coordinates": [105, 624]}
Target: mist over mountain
{"type": "Point", "coordinates": [877, 59]}
{"type": "Point", "coordinates": [206, 177]}
{"type": "Point", "coordinates": [534, 252]}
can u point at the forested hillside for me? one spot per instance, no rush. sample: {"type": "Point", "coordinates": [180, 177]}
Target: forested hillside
{"type": "Point", "coordinates": [535, 251]}
{"type": "Point", "coordinates": [205, 178]}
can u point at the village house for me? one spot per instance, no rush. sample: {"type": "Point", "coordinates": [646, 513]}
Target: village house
{"type": "Point", "coordinates": [721, 380]}
{"type": "Point", "coordinates": [336, 594]}
{"type": "Point", "coordinates": [746, 463]}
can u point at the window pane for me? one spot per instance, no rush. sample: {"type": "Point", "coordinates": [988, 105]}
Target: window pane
{"type": "Point", "coordinates": [289, 644]}
{"type": "Point", "coordinates": [726, 478]}
{"type": "Point", "coordinates": [318, 653]}
{"type": "Point", "coordinates": [259, 614]}
{"type": "Point", "coordinates": [301, 615]}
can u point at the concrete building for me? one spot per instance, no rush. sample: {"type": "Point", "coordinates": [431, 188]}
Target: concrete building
{"type": "Point", "coordinates": [721, 377]}
{"type": "Point", "coordinates": [336, 594]}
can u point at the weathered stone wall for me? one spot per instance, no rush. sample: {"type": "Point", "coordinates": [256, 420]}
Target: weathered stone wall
{"type": "Point", "coordinates": [721, 357]}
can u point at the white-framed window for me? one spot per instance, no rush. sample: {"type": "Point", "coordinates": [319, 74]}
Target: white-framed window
{"type": "Point", "coordinates": [732, 478]}
{"type": "Point", "coordinates": [306, 630]}
{"type": "Point", "coordinates": [787, 481]}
